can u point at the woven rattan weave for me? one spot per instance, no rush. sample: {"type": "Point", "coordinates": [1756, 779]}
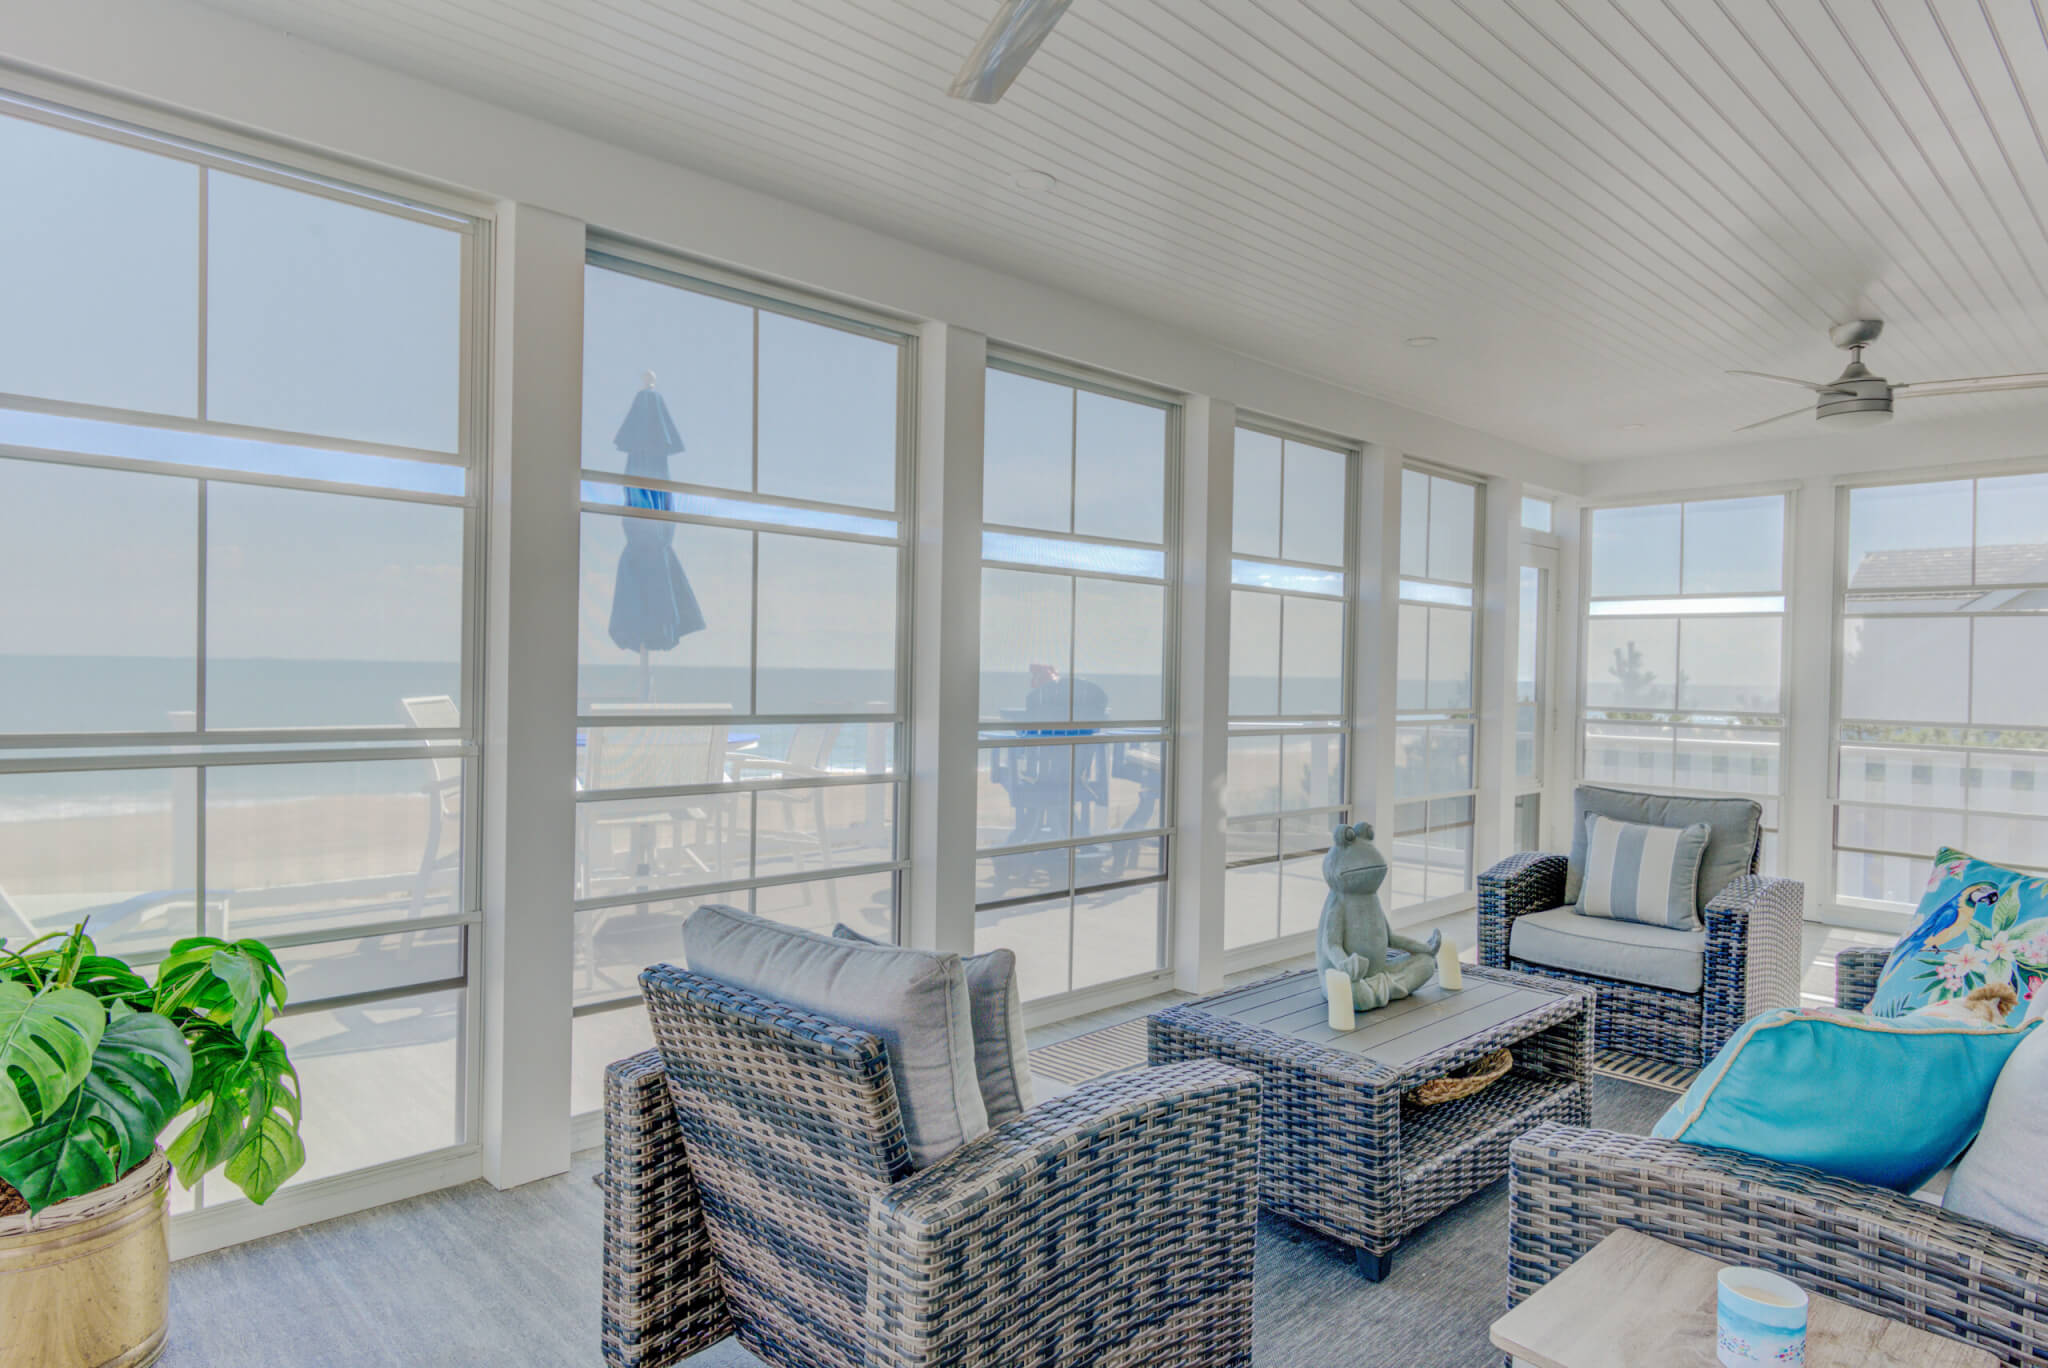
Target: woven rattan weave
{"type": "Point", "coordinates": [1752, 960]}
{"type": "Point", "coordinates": [757, 1184]}
{"type": "Point", "coordinates": [1341, 1151]}
{"type": "Point", "coordinates": [1894, 1255]}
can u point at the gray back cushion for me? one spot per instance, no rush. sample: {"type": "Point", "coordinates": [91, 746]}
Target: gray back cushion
{"type": "Point", "coordinates": [1642, 873]}
{"type": "Point", "coordinates": [1736, 825]}
{"type": "Point", "coordinates": [915, 1000]}
{"type": "Point", "coordinates": [1002, 1060]}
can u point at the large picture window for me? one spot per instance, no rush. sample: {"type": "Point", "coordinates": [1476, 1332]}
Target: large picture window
{"type": "Point", "coordinates": [1943, 722]}
{"type": "Point", "coordinates": [740, 682]}
{"type": "Point", "coordinates": [1074, 805]}
{"type": "Point", "coordinates": [237, 531]}
{"type": "Point", "coordinates": [1290, 623]}
{"type": "Point", "coordinates": [1684, 645]}
{"type": "Point", "coordinates": [1435, 718]}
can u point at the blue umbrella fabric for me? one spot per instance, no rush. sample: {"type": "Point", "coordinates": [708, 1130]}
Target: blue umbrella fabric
{"type": "Point", "coordinates": [652, 606]}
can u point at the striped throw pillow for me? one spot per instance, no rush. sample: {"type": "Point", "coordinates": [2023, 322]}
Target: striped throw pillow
{"type": "Point", "coordinates": [1641, 873]}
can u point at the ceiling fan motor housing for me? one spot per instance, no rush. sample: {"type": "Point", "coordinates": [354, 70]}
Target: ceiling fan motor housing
{"type": "Point", "coordinates": [1872, 398]}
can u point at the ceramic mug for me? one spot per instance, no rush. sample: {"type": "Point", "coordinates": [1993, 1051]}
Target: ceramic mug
{"type": "Point", "coordinates": [1760, 1319]}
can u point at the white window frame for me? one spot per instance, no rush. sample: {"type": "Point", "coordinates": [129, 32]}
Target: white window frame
{"type": "Point", "coordinates": [683, 273]}
{"type": "Point", "coordinates": [1167, 729]}
{"type": "Point", "coordinates": [1470, 715]}
{"type": "Point", "coordinates": [232, 1219]}
{"type": "Point", "coordinates": [1343, 725]}
{"type": "Point", "coordinates": [1783, 797]}
{"type": "Point", "coordinates": [1859, 913]}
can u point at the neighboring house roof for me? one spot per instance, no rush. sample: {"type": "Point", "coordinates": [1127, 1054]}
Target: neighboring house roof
{"type": "Point", "coordinates": [1947, 567]}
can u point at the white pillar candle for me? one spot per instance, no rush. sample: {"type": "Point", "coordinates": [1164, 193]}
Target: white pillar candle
{"type": "Point", "coordinates": [1343, 1012]}
{"type": "Point", "coordinates": [1447, 971]}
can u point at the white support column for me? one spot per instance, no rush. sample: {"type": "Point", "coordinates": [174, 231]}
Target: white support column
{"type": "Point", "coordinates": [1567, 726]}
{"type": "Point", "coordinates": [529, 761]}
{"type": "Point", "coordinates": [1805, 821]}
{"type": "Point", "coordinates": [946, 688]}
{"type": "Point", "coordinates": [1500, 615]}
{"type": "Point", "coordinates": [1373, 664]}
{"type": "Point", "coordinates": [1208, 456]}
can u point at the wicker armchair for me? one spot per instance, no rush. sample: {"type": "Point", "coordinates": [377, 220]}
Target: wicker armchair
{"type": "Point", "coordinates": [1895, 1256]}
{"type": "Point", "coordinates": [757, 1184]}
{"type": "Point", "coordinates": [1752, 961]}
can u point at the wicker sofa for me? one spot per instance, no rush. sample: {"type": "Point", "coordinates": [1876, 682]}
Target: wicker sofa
{"type": "Point", "coordinates": [1751, 960]}
{"type": "Point", "coordinates": [757, 1184]}
{"type": "Point", "coordinates": [1896, 1256]}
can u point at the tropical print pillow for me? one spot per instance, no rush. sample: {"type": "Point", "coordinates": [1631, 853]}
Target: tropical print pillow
{"type": "Point", "coordinates": [1981, 928]}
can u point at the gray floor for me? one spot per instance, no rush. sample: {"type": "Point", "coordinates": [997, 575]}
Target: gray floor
{"type": "Point", "coordinates": [472, 1276]}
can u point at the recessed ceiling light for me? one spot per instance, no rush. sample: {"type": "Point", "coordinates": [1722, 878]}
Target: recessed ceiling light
{"type": "Point", "coordinates": [1631, 427]}
{"type": "Point", "coordinates": [1420, 342]}
{"type": "Point", "coordinates": [1036, 182]}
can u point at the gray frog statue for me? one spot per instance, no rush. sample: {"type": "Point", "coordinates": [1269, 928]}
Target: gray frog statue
{"type": "Point", "coordinates": [1354, 937]}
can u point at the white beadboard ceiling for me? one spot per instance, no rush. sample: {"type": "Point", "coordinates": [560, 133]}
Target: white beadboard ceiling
{"type": "Point", "coordinates": [1596, 205]}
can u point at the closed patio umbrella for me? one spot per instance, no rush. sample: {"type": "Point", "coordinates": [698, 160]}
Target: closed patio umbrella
{"type": "Point", "coordinates": [652, 606]}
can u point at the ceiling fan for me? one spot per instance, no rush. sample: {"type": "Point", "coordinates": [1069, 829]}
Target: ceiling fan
{"type": "Point", "coordinates": [1009, 42]}
{"type": "Point", "coordinates": [1856, 398]}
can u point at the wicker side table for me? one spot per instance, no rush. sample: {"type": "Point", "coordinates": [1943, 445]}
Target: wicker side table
{"type": "Point", "coordinates": [1636, 1300]}
{"type": "Point", "coordinates": [1340, 1151]}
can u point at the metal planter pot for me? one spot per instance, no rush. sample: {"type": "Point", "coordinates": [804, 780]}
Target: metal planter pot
{"type": "Point", "coordinates": [86, 1283]}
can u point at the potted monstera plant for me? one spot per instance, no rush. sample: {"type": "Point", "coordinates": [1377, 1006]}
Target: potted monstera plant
{"type": "Point", "coordinates": [96, 1064]}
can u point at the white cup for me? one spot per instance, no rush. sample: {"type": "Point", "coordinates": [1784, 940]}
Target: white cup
{"type": "Point", "coordinates": [1759, 1319]}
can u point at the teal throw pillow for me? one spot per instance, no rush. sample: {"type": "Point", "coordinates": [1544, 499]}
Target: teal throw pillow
{"type": "Point", "coordinates": [1884, 1102]}
{"type": "Point", "coordinates": [1980, 926]}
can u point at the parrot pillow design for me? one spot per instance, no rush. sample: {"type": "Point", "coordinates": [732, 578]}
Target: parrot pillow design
{"type": "Point", "coordinates": [1979, 927]}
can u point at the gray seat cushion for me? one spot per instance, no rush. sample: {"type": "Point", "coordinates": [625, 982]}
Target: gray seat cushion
{"type": "Point", "coordinates": [915, 1000]}
{"type": "Point", "coordinates": [1002, 1059]}
{"type": "Point", "coordinates": [1656, 956]}
{"type": "Point", "coordinates": [1736, 827]}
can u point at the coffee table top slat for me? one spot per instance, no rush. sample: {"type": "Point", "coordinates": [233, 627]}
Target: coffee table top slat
{"type": "Point", "coordinates": [1421, 1024]}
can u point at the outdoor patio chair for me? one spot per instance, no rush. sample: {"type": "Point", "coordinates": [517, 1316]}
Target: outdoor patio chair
{"type": "Point", "coordinates": [1896, 1256]}
{"type": "Point", "coordinates": [757, 1184]}
{"type": "Point", "coordinates": [1666, 995]}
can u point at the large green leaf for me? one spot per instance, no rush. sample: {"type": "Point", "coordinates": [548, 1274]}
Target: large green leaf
{"type": "Point", "coordinates": [245, 1112]}
{"type": "Point", "coordinates": [218, 1100]}
{"type": "Point", "coordinates": [270, 1153]}
{"type": "Point", "coordinates": [135, 1085]}
{"type": "Point", "coordinates": [110, 980]}
{"type": "Point", "coordinates": [46, 1043]}
{"type": "Point", "coordinates": [185, 977]}
{"type": "Point", "coordinates": [248, 984]}
{"type": "Point", "coordinates": [239, 983]}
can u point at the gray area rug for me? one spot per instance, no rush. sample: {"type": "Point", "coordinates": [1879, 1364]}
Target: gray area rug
{"type": "Point", "coordinates": [473, 1277]}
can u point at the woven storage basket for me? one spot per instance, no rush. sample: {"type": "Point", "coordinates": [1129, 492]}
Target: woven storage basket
{"type": "Point", "coordinates": [1484, 1073]}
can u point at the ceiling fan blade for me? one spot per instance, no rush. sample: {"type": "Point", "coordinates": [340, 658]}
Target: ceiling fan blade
{"type": "Point", "coordinates": [1979, 384]}
{"type": "Point", "coordinates": [1011, 39]}
{"type": "Point", "coordinates": [1806, 412]}
{"type": "Point", "coordinates": [1785, 380]}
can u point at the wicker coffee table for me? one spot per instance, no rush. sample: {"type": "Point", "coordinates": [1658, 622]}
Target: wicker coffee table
{"type": "Point", "coordinates": [1340, 1151]}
